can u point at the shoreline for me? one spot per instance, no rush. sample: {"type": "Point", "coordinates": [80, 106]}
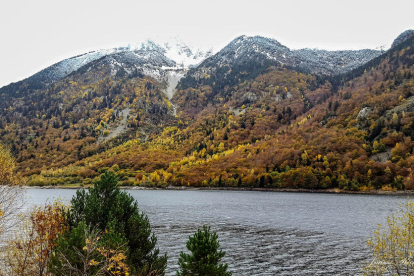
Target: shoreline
{"type": "Point", "coordinates": [280, 190]}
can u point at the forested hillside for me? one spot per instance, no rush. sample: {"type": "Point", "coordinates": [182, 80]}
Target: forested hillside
{"type": "Point", "coordinates": [71, 119]}
{"type": "Point", "coordinates": [251, 125]}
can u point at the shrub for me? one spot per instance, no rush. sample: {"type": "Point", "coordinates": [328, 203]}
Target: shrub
{"type": "Point", "coordinates": [393, 245]}
{"type": "Point", "coordinates": [128, 183]}
{"type": "Point", "coordinates": [106, 132]}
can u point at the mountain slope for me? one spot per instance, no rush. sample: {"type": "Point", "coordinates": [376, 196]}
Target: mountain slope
{"type": "Point", "coordinates": [291, 132]}
{"type": "Point", "coordinates": [313, 138]}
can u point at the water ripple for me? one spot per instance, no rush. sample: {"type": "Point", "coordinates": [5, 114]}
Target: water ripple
{"type": "Point", "coordinates": [266, 233]}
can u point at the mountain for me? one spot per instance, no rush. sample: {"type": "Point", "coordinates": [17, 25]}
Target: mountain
{"type": "Point", "coordinates": [163, 58]}
{"type": "Point", "coordinates": [149, 57]}
{"type": "Point", "coordinates": [402, 37]}
{"type": "Point", "coordinates": [253, 54]}
{"type": "Point", "coordinates": [245, 48]}
{"type": "Point", "coordinates": [247, 57]}
{"type": "Point", "coordinates": [157, 58]}
{"type": "Point", "coordinates": [255, 114]}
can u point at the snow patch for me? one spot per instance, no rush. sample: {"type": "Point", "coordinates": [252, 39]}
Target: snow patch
{"type": "Point", "coordinates": [172, 78]}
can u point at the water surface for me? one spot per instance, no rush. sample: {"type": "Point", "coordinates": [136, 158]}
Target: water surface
{"type": "Point", "coordinates": [265, 233]}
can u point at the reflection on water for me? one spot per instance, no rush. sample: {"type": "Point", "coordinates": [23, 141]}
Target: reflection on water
{"type": "Point", "coordinates": [265, 233]}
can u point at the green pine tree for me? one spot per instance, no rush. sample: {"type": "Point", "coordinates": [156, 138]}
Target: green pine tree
{"type": "Point", "coordinates": [204, 258]}
{"type": "Point", "coordinates": [111, 210]}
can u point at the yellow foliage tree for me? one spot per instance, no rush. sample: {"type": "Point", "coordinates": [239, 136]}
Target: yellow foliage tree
{"type": "Point", "coordinates": [393, 245]}
{"type": "Point", "coordinates": [11, 195]}
{"type": "Point", "coordinates": [221, 147]}
{"type": "Point", "coordinates": [7, 165]}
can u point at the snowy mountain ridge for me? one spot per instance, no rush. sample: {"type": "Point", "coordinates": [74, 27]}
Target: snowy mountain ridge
{"type": "Point", "coordinates": [158, 58]}
{"type": "Point", "coordinates": [150, 55]}
{"type": "Point", "coordinates": [258, 49]}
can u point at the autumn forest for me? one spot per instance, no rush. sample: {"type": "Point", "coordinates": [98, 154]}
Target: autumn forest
{"type": "Point", "coordinates": [253, 126]}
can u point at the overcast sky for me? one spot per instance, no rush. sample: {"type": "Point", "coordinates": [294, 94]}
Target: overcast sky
{"type": "Point", "coordinates": [36, 34]}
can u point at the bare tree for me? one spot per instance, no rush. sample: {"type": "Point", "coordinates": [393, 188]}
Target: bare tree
{"type": "Point", "coordinates": [11, 204]}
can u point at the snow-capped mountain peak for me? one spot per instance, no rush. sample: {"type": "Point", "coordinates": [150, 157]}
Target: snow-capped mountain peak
{"type": "Point", "coordinates": [183, 54]}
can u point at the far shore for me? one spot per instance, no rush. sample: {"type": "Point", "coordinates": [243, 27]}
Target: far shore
{"type": "Point", "coordinates": [185, 188]}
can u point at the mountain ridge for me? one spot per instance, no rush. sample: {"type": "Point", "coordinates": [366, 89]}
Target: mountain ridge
{"type": "Point", "coordinates": [316, 61]}
{"type": "Point", "coordinates": [186, 57]}
{"type": "Point", "coordinates": [150, 54]}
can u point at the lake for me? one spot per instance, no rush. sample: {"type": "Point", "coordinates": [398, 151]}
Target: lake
{"type": "Point", "coordinates": [264, 233]}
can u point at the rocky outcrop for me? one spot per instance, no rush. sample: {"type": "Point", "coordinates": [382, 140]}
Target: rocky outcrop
{"type": "Point", "coordinates": [406, 106]}
{"type": "Point", "coordinates": [382, 156]}
{"type": "Point", "coordinates": [249, 96]}
{"type": "Point", "coordinates": [364, 112]}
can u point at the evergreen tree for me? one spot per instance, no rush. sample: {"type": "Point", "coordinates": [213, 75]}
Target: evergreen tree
{"type": "Point", "coordinates": [262, 181]}
{"type": "Point", "coordinates": [205, 257]}
{"type": "Point", "coordinates": [111, 210]}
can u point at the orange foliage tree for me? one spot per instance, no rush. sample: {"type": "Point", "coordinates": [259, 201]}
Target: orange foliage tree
{"type": "Point", "coordinates": [28, 252]}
